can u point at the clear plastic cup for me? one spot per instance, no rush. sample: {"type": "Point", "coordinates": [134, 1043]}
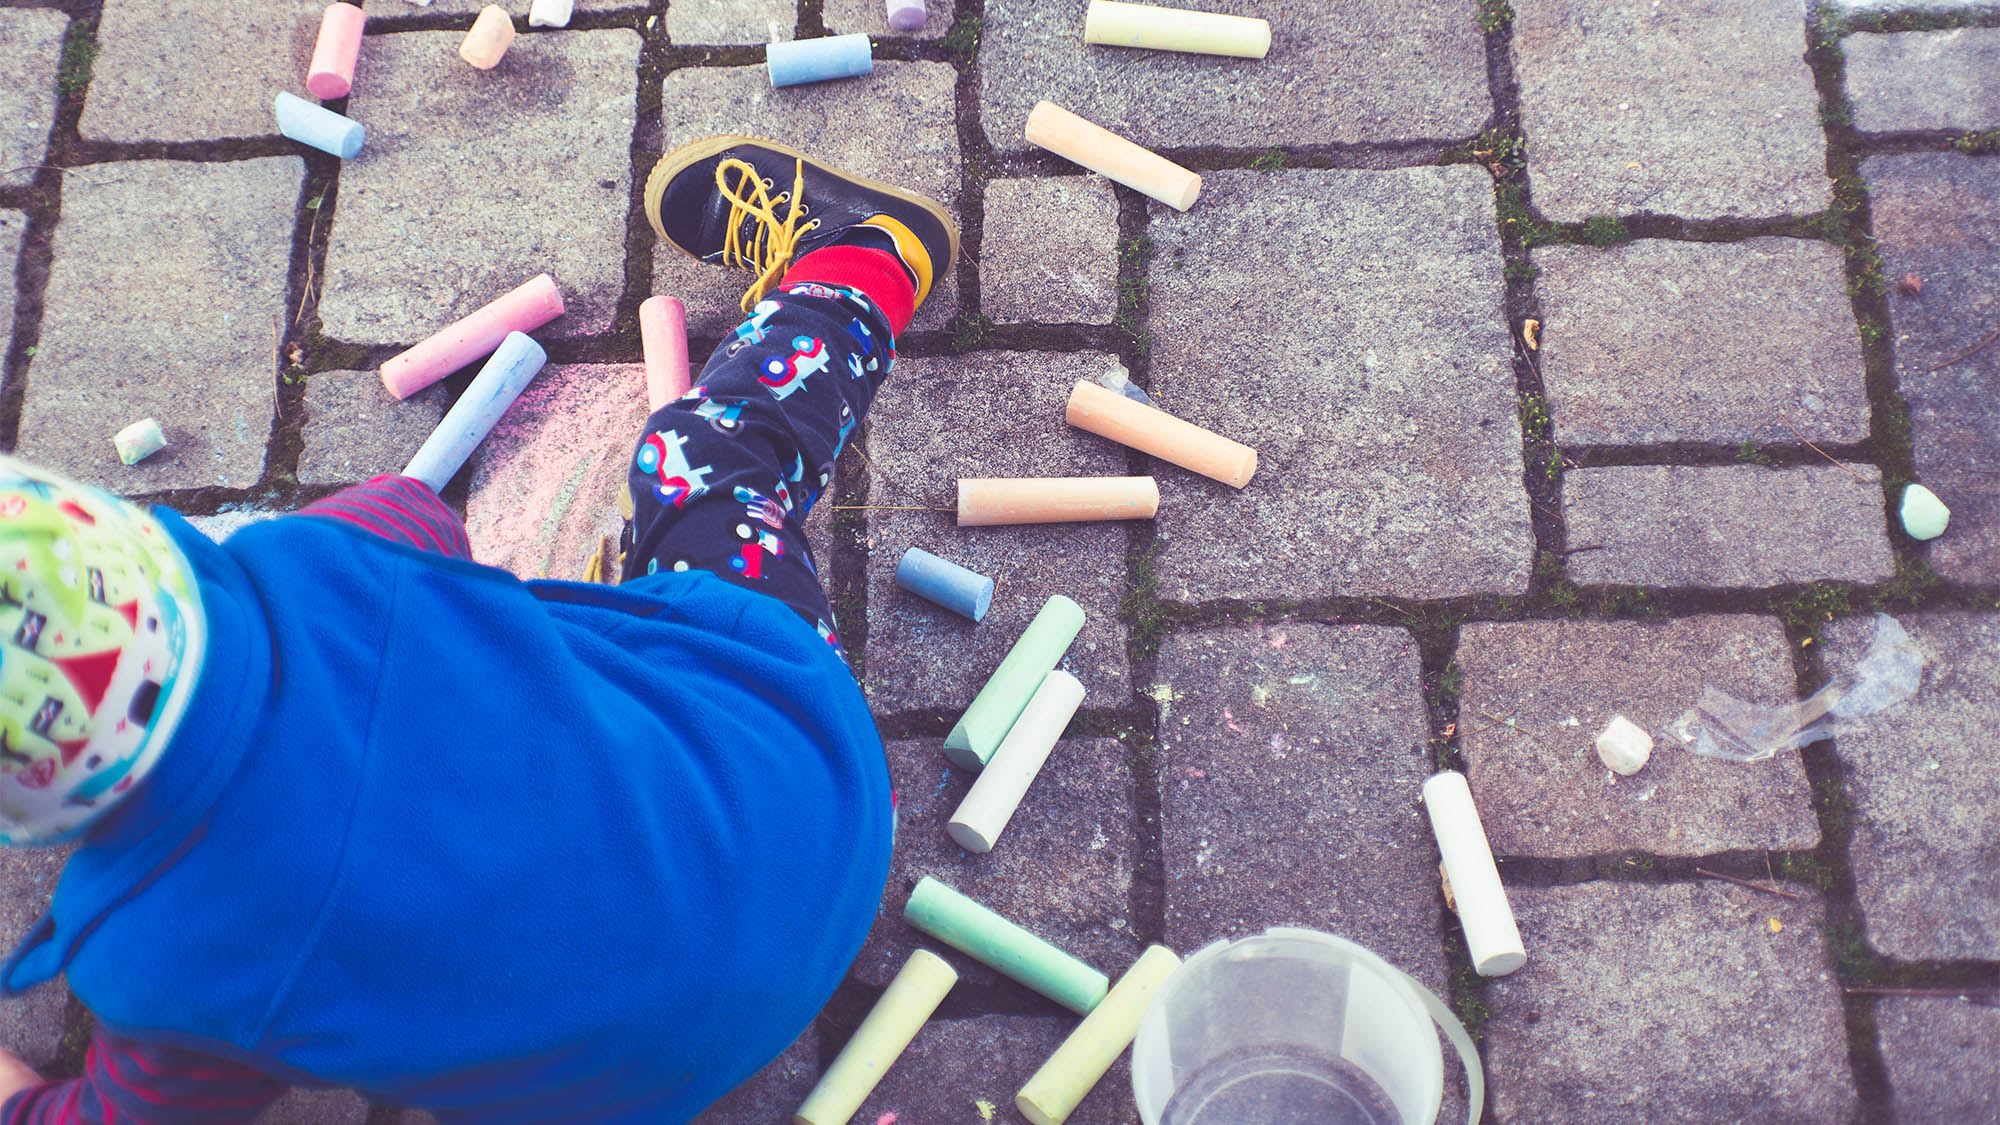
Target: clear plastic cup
{"type": "Point", "coordinates": [1289, 1026]}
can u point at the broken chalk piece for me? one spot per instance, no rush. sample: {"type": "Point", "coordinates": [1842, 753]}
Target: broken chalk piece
{"type": "Point", "coordinates": [980, 818]}
{"type": "Point", "coordinates": [906, 15]}
{"type": "Point", "coordinates": [492, 33]}
{"type": "Point", "coordinates": [908, 1002]}
{"type": "Point", "coordinates": [139, 441]}
{"type": "Point", "coordinates": [1009, 500]}
{"type": "Point", "coordinates": [1491, 938]}
{"type": "Point", "coordinates": [466, 424]}
{"type": "Point", "coordinates": [331, 73]}
{"type": "Point", "coordinates": [964, 592]}
{"type": "Point", "coordinates": [979, 933]}
{"type": "Point", "coordinates": [979, 731]}
{"type": "Point", "coordinates": [1624, 747]}
{"type": "Point", "coordinates": [1052, 127]}
{"type": "Point", "coordinates": [1924, 515]}
{"type": "Point", "coordinates": [550, 13]}
{"type": "Point", "coordinates": [663, 337]}
{"type": "Point", "coordinates": [1067, 1077]}
{"type": "Point", "coordinates": [530, 304]}
{"type": "Point", "coordinates": [1149, 429]}
{"type": "Point", "coordinates": [1112, 24]}
{"type": "Point", "coordinates": [318, 126]}
{"type": "Point", "coordinates": [818, 60]}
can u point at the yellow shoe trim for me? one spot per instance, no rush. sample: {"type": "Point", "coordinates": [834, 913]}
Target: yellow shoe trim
{"type": "Point", "coordinates": [908, 247]}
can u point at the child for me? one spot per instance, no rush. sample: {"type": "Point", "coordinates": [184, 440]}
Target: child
{"type": "Point", "coordinates": [354, 810]}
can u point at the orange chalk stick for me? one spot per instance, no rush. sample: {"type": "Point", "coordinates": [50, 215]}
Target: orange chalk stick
{"type": "Point", "coordinates": [1151, 430]}
{"type": "Point", "coordinates": [664, 338]}
{"type": "Point", "coordinates": [492, 33]}
{"type": "Point", "coordinates": [331, 73]}
{"type": "Point", "coordinates": [1052, 127]}
{"type": "Point", "coordinates": [985, 502]}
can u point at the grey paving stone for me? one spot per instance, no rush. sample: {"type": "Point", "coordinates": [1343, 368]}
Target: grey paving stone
{"type": "Point", "coordinates": [844, 17]}
{"type": "Point", "coordinates": [316, 1107]}
{"type": "Point", "coordinates": [186, 332]}
{"type": "Point", "coordinates": [1355, 73]}
{"type": "Point", "coordinates": [1701, 109]}
{"type": "Point", "coordinates": [773, 1092]}
{"type": "Point", "coordinates": [1926, 859]}
{"type": "Point", "coordinates": [1943, 1055]}
{"type": "Point", "coordinates": [1290, 761]}
{"type": "Point", "coordinates": [1050, 251]}
{"type": "Point", "coordinates": [1365, 355]}
{"type": "Point", "coordinates": [1726, 525]}
{"type": "Point", "coordinates": [838, 123]}
{"type": "Point", "coordinates": [1925, 79]}
{"type": "Point", "coordinates": [1951, 6]}
{"type": "Point", "coordinates": [475, 181]}
{"type": "Point", "coordinates": [31, 1026]}
{"type": "Point", "coordinates": [224, 524]}
{"type": "Point", "coordinates": [1639, 1001]}
{"type": "Point", "coordinates": [731, 21]}
{"type": "Point", "coordinates": [1938, 218]}
{"type": "Point", "coordinates": [1537, 693]}
{"type": "Point", "coordinates": [30, 52]}
{"type": "Point", "coordinates": [1063, 869]}
{"type": "Point", "coordinates": [12, 225]}
{"type": "Point", "coordinates": [196, 70]}
{"type": "Point", "coordinates": [968, 1070]}
{"type": "Point", "coordinates": [546, 484]}
{"type": "Point", "coordinates": [1659, 341]}
{"type": "Point", "coordinates": [356, 429]}
{"type": "Point", "coordinates": [387, 9]}
{"type": "Point", "coordinates": [986, 414]}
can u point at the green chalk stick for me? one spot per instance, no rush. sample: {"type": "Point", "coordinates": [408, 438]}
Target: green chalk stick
{"type": "Point", "coordinates": [978, 932]}
{"type": "Point", "coordinates": [971, 743]}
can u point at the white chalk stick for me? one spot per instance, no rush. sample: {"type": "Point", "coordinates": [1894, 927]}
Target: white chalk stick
{"type": "Point", "coordinates": [492, 33]}
{"type": "Point", "coordinates": [139, 441]}
{"type": "Point", "coordinates": [550, 13]}
{"type": "Point", "coordinates": [990, 803]}
{"type": "Point", "coordinates": [1491, 937]}
{"type": "Point", "coordinates": [894, 1020]}
{"type": "Point", "coordinates": [1068, 1076]}
{"type": "Point", "coordinates": [1052, 127]}
{"type": "Point", "coordinates": [1113, 24]}
{"type": "Point", "coordinates": [1623, 746]}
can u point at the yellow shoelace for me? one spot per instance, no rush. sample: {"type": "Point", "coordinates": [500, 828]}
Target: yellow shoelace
{"type": "Point", "coordinates": [770, 250]}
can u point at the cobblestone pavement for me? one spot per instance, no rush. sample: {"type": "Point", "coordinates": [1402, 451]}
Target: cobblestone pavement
{"type": "Point", "coordinates": [1589, 345]}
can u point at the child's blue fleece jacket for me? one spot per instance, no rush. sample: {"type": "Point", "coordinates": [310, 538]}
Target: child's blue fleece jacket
{"type": "Point", "coordinates": [509, 851]}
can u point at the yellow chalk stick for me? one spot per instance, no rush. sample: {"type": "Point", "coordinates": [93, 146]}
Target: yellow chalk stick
{"type": "Point", "coordinates": [1113, 24]}
{"type": "Point", "coordinates": [894, 1020]}
{"type": "Point", "coordinates": [1066, 1079]}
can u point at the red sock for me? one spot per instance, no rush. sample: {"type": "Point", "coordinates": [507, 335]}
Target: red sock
{"type": "Point", "coordinates": [877, 273]}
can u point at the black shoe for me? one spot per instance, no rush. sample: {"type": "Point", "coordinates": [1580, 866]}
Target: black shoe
{"type": "Point", "coordinates": [758, 205]}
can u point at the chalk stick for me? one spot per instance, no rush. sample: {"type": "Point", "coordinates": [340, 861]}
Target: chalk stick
{"type": "Point", "coordinates": [979, 731]}
{"type": "Point", "coordinates": [964, 592]}
{"type": "Point", "coordinates": [1113, 24]}
{"type": "Point", "coordinates": [979, 933]}
{"type": "Point", "coordinates": [1008, 500]}
{"type": "Point", "coordinates": [331, 73]}
{"type": "Point", "coordinates": [492, 33]}
{"type": "Point", "coordinates": [1152, 430]}
{"type": "Point", "coordinates": [139, 441]}
{"type": "Point", "coordinates": [1055, 1090]}
{"type": "Point", "coordinates": [818, 60]}
{"type": "Point", "coordinates": [1624, 746]}
{"type": "Point", "coordinates": [465, 425]}
{"type": "Point", "coordinates": [1052, 127]}
{"type": "Point", "coordinates": [980, 818]}
{"type": "Point", "coordinates": [550, 13]}
{"type": "Point", "coordinates": [1491, 937]}
{"type": "Point", "coordinates": [318, 126]}
{"type": "Point", "coordinates": [906, 15]}
{"type": "Point", "coordinates": [663, 337]}
{"type": "Point", "coordinates": [529, 305]}
{"type": "Point", "coordinates": [895, 1019]}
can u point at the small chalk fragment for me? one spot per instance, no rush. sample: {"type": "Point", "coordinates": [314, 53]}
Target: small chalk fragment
{"type": "Point", "coordinates": [920, 986]}
{"type": "Point", "coordinates": [1924, 515]}
{"type": "Point", "coordinates": [318, 126]}
{"type": "Point", "coordinates": [1011, 500]}
{"type": "Point", "coordinates": [663, 339]}
{"type": "Point", "coordinates": [906, 15]}
{"type": "Point", "coordinates": [528, 305]}
{"type": "Point", "coordinates": [1491, 938]}
{"type": "Point", "coordinates": [550, 13]}
{"type": "Point", "coordinates": [466, 424]}
{"type": "Point", "coordinates": [1623, 747]}
{"type": "Point", "coordinates": [1113, 24]}
{"type": "Point", "coordinates": [983, 815]}
{"type": "Point", "coordinates": [331, 73]}
{"type": "Point", "coordinates": [979, 731]}
{"type": "Point", "coordinates": [818, 60]}
{"type": "Point", "coordinates": [964, 592]}
{"type": "Point", "coordinates": [1149, 429]}
{"type": "Point", "coordinates": [139, 441]}
{"type": "Point", "coordinates": [1068, 1076]}
{"type": "Point", "coordinates": [978, 932]}
{"type": "Point", "coordinates": [1052, 127]}
{"type": "Point", "coordinates": [492, 33]}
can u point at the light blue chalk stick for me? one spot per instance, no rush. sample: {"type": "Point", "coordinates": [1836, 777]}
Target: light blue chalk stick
{"type": "Point", "coordinates": [950, 585]}
{"type": "Point", "coordinates": [465, 425]}
{"type": "Point", "coordinates": [817, 60]}
{"type": "Point", "coordinates": [318, 126]}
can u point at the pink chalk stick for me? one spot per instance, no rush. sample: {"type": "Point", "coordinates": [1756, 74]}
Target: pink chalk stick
{"type": "Point", "coordinates": [663, 334]}
{"type": "Point", "coordinates": [332, 72]}
{"type": "Point", "coordinates": [532, 304]}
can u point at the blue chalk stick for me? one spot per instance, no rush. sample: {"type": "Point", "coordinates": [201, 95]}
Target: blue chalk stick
{"type": "Point", "coordinates": [816, 60]}
{"type": "Point", "coordinates": [465, 425]}
{"type": "Point", "coordinates": [948, 584]}
{"type": "Point", "coordinates": [318, 126]}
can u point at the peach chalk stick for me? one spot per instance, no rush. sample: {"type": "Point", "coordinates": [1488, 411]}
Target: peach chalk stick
{"type": "Point", "coordinates": [1052, 127]}
{"type": "Point", "coordinates": [331, 74]}
{"type": "Point", "coordinates": [1152, 430]}
{"type": "Point", "coordinates": [663, 335]}
{"type": "Point", "coordinates": [1113, 24]}
{"type": "Point", "coordinates": [985, 502]}
{"type": "Point", "coordinates": [492, 33]}
{"type": "Point", "coordinates": [532, 304]}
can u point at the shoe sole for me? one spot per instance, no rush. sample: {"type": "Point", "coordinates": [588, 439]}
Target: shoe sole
{"type": "Point", "coordinates": [694, 152]}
